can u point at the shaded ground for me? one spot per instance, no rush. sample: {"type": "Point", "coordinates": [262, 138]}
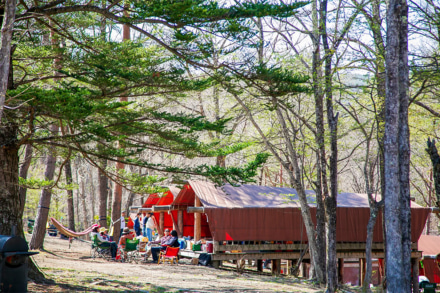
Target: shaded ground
{"type": "Point", "coordinates": [73, 270]}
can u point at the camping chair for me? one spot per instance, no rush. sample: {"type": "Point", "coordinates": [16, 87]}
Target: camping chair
{"type": "Point", "coordinates": [99, 249]}
{"type": "Point", "coordinates": [170, 254]}
{"type": "Point", "coordinates": [131, 251]}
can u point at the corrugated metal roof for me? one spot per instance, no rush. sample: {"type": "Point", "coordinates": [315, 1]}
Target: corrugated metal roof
{"type": "Point", "coordinates": [254, 196]}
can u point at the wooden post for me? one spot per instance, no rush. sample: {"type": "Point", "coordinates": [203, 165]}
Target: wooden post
{"type": "Point", "coordinates": [161, 223]}
{"type": "Point", "coordinates": [362, 269]}
{"type": "Point", "coordinates": [259, 265]}
{"type": "Point", "coordinates": [180, 222]}
{"type": "Point", "coordinates": [415, 274]}
{"type": "Point", "coordinates": [175, 225]}
{"type": "Point", "coordinates": [340, 270]}
{"type": "Point", "coordinates": [276, 267]}
{"type": "Point", "coordinates": [197, 221]}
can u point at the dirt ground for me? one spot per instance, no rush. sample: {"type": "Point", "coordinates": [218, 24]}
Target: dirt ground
{"type": "Point", "coordinates": [72, 270]}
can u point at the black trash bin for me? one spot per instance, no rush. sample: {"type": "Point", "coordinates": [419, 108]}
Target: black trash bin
{"type": "Point", "coordinates": [14, 253]}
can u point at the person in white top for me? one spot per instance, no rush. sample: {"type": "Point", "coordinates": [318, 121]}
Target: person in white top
{"type": "Point", "coordinates": [151, 224]}
{"type": "Point", "coordinates": [123, 215]}
{"type": "Point", "coordinates": [122, 219]}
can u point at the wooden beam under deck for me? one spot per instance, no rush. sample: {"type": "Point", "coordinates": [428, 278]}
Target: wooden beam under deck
{"type": "Point", "coordinates": [296, 255]}
{"type": "Point", "coordinates": [295, 246]}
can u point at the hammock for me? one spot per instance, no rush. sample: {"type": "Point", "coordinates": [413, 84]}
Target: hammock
{"type": "Point", "coordinates": [65, 231]}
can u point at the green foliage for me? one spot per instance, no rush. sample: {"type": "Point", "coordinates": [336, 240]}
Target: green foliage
{"type": "Point", "coordinates": [35, 183]}
{"type": "Point", "coordinates": [196, 12]}
{"type": "Point", "coordinates": [141, 183]}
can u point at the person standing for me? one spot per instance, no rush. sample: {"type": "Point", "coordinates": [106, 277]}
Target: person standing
{"type": "Point", "coordinates": [122, 219]}
{"type": "Point", "coordinates": [137, 224]}
{"type": "Point", "coordinates": [144, 225]}
{"type": "Point", "coordinates": [151, 224]}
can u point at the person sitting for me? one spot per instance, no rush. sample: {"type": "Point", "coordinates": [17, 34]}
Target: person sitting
{"type": "Point", "coordinates": [125, 235]}
{"type": "Point", "coordinates": [123, 240]}
{"type": "Point", "coordinates": [104, 235]}
{"type": "Point", "coordinates": [103, 242]}
{"type": "Point", "coordinates": [171, 241]}
{"type": "Point", "coordinates": [162, 240]}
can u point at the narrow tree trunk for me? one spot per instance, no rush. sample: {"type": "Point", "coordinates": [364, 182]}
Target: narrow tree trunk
{"type": "Point", "coordinates": [70, 206]}
{"type": "Point", "coordinates": [92, 193]}
{"type": "Point", "coordinates": [82, 196]}
{"type": "Point", "coordinates": [77, 194]}
{"type": "Point", "coordinates": [321, 165]}
{"type": "Point", "coordinates": [110, 199]}
{"type": "Point", "coordinates": [5, 49]}
{"type": "Point", "coordinates": [117, 196]}
{"type": "Point", "coordinates": [116, 210]}
{"type": "Point", "coordinates": [23, 174]}
{"type": "Point", "coordinates": [374, 210]}
{"type": "Point", "coordinates": [331, 199]}
{"type": "Point", "coordinates": [435, 160]}
{"type": "Point", "coordinates": [103, 194]}
{"type": "Point", "coordinates": [130, 200]}
{"type": "Point", "coordinates": [43, 206]}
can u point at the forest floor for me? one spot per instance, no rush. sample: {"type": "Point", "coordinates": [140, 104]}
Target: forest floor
{"type": "Point", "coordinates": [72, 270]}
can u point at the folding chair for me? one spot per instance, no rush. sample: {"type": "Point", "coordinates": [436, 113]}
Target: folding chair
{"type": "Point", "coordinates": [131, 251]}
{"type": "Point", "coordinates": [99, 249]}
{"type": "Point", "coordinates": [170, 254]}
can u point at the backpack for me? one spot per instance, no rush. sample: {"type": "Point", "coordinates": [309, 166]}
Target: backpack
{"type": "Point", "coordinates": [204, 259]}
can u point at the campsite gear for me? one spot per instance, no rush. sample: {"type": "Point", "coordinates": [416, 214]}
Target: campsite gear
{"type": "Point", "coordinates": [209, 246]}
{"type": "Point", "coordinates": [428, 287]}
{"type": "Point", "coordinates": [30, 226]}
{"type": "Point", "coordinates": [170, 254]}
{"type": "Point", "coordinates": [99, 249]}
{"type": "Point", "coordinates": [13, 266]}
{"type": "Point", "coordinates": [69, 233]}
{"type": "Point", "coordinates": [204, 259]}
{"type": "Point", "coordinates": [197, 247]}
{"type": "Point", "coordinates": [182, 244]}
{"type": "Point", "coordinates": [131, 251]}
{"type": "Point", "coordinates": [52, 230]}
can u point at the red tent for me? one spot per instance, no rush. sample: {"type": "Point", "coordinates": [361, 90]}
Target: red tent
{"type": "Point", "coordinates": [430, 247]}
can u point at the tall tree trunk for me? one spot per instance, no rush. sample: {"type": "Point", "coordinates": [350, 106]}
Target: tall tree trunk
{"type": "Point", "coordinates": [5, 49]}
{"type": "Point", "coordinates": [332, 120]}
{"type": "Point", "coordinates": [117, 196]}
{"type": "Point", "coordinates": [321, 165]}
{"type": "Point", "coordinates": [92, 193]}
{"type": "Point", "coordinates": [23, 174]}
{"type": "Point", "coordinates": [404, 146]}
{"type": "Point", "coordinates": [75, 164]}
{"type": "Point", "coordinates": [130, 201]}
{"type": "Point", "coordinates": [82, 196]}
{"type": "Point", "coordinates": [70, 205]}
{"type": "Point", "coordinates": [397, 210]}
{"type": "Point", "coordinates": [375, 24]}
{"type": "Point", "coordinates": [110, 199]}
{"type": "Point", "coordinates": [103, 194]}
{"type": "Point", "coordinates": [44, 203]}
{"type": "Point", "coordinates": [435, 160]}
